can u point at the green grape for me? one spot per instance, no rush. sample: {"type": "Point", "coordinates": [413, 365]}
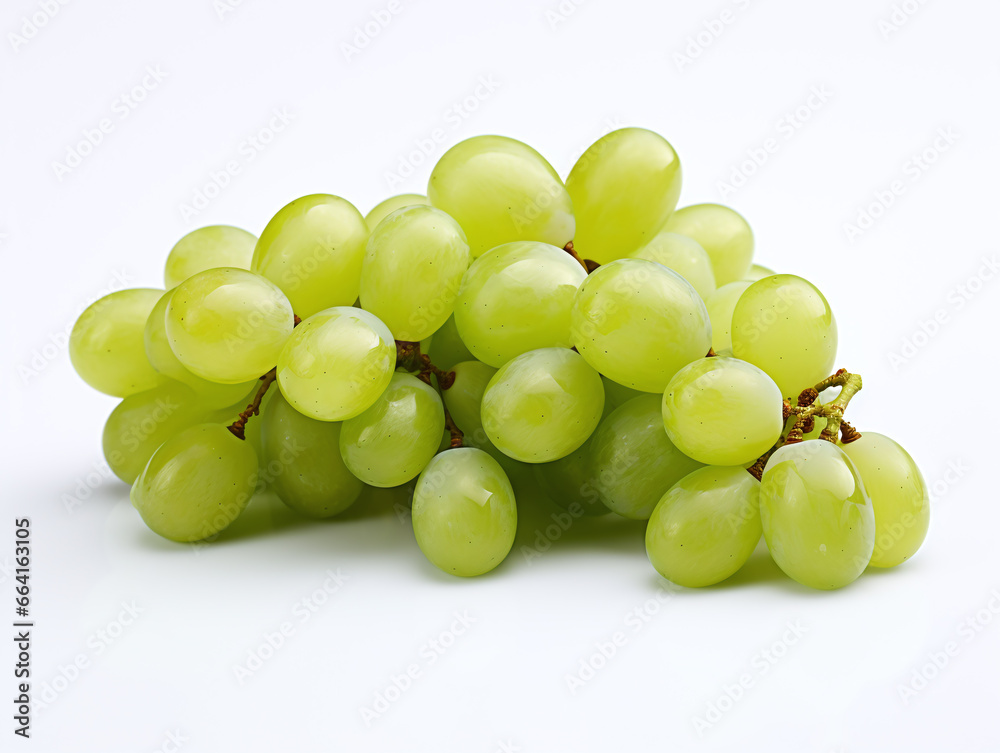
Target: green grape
{"type": "Point", "coordinates": [722, 411]}
{"type": "Point", "coordinates": [624, 188]}
{"type": "Point", "coordinates": [447, 348]}
{"type": "Point", "coordinates": [817, 518]}
{"type": "Point", "coordinates": [500, 190]}
{"type": "Point", "coordinates": [312, 249]}
{"type": "Point", "coordinates": [387, 207]}
{"type": "Point", "coordinates": [705, 527]}
{"type": "Point", "coordinates": [633, 459]}
{"type": "Point", "coordinates": [228, 325]}
{"type": "Point", "coordinates": [464, 398]}
{"type": "Point", "coordinates": [570, 484]}
{"type": "Point", "coordinates": [684, 256]}
{"type": "Point", "coordinates": [391, 442]}
{"type": "Point", "coordinates": [616, 394]}
{"type": "Point", "coordinates": [638, 323]}
{"type": "Point", "coordinates": [783, 325]}
{"type": "Point", "coordinates": [542, 405]}
{"type": "Point", "coordinates": [301, 460]}
{"type": "Point", "coordinates": [899, 497]}
{"type": "Point", "coordinates": [412, 271]}
{"type": "Point", "coordinates": [464, 515]}
{"type": "Point", "coordinates": [336, 363]}
{"type": "Point", "coordinates": [196, 483]}
{"type": "Point", "coordinates": [106, 344]}
{"type": "Point", "coordinates": [515, 298]}
{"type": "Point", "coordinates": [721, 305]}
{"type": "Point", "coordinates": [208, 248]}
{"type": "Point", "coordinates": [723, 233]}
{"type": "Point", "coordinates": [758, 272]}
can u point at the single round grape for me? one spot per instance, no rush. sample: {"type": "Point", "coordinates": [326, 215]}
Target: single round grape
{"type": "Point", "coordinates": [758, 272]}
{"type": "Point", "coordinates": [638, 323]}
{"type": "Point", "coordinates": [817, 518]}
{"type": "Point", "coordinates": [302, 463]}
{"type": "Point", "coordinates": [208, 248]}
{"type": "Point", "coordinates": [106, 344]}
{"type": "Point", "coordinates": [336, 363]}
{"type": "Point", "coordinates": [633, 460]}
{"type": "Point", "coordinates": [721, 305]}
{"type": "Point", "coordinates": [500, 190]}
{"type": "Point", "coordinates": [391, 442]}
{"type": "Point", "coordinates": [705, 527]}
{"type": "Point", "coordinates": [722, 411]}
{"type": "Point", "coordinates": [683, 255]}
{"type": "Point", "coordinates": [783, 325]}
{"type": "Point", "coordinates": [464, 399]}
{"type": "Point", "coordinates": [228, 325]}
{"type": "Point", "coordinates": [569, 482]}
{"type": "Point", "coordinates": [196, 483]}
{"type": "Point", "coordinates": [624, 188]}
{"type": "Point", "coordinates": [390, 205]}
{"type": "Point", "coordinates": [515, 298]}
{"type": "Point", "coordinates": [542, 405]}
{"type": "Point", "coordinates": [312, 249]}
{"type": "Point", "coordinates": [447, 348]}
{"type": "Point", "coordinates": [723, 233]}
{"type": "Point", "coordinates": [464, 515]}
{"type": "Point", "coordinates": [412, 271]}
{"type": "Point", "coordinates": [899, 497]}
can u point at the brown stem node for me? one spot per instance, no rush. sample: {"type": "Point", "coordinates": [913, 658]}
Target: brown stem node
{"type": "Point", "coordinates": [238, 427]}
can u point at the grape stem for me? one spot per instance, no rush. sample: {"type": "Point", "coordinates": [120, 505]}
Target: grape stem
{"type": "Point", "coordinates": [589, 264]}
{"type": "Point", "coordinates": [238, 427]}
{"type": "Point", "coordinates": [408, 356]}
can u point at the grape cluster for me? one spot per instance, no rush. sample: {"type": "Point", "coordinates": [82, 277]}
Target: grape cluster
{"type": "Point", "coordinates": [630, 354]}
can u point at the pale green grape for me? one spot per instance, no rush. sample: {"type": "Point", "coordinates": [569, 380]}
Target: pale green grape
{"type": "Point", "coordinates": [412, 271]}
{"type": "Point", "coordinates": [228, 325]}
{"type": "Point", "coordinates": [515, 298]}
{"type": "Point", "coordinates": [616, 394]}
{"type": "Point", "coordinates": [783, 325]}
{"type": "Point", "coordinates": [634, 461]}
{"type": "Point", "coordinates": [196, 483]}
{"type": "Point", "coordinates": [683, 255]}
{"type": "Point", "coordinates": [500, 190]}
{"type": "Point", "coordinates": [447, 348]}
{"type": "Point", "coordinates": [542, 405]}
{"type": "Point", "coordinates": [312, 249]}
{"type": "Point", "coordinates": [899, 497]}
{"type": "Point", "coordinates": [569, 482]}
{"type": "Point", "coordinates": [106, 344]}
{"type": "Point", "coordinates": [721, 305]}
{"type": "Point", "coordinates": [336, 363]}
{"type": "Point", "coordinates": [464, 514]}
{"type": "Point", "coordinates": [817, 518]}
{"type": "Point", "coordinates": [638, 323]}
{"type": "Point", "coordinates": [464, 398]}
{"type": "Point", "coordinates": [390, 205]}
{"type": "Point", "coordinates": [392, 441]}
{"type": "Point", "coordinates": [758, 272]}
{"type": "Point", "coordinates": [208, 248]}
{"type": "Point", "coordinates": [624, 188]}
{"type": "Point", "coordinates": [723, 233]}
{"type": "Point", "coordinates": [722, 411]}
{"type": "Point", "coordinates": [301, 461]}
{"type": "Point", "coordinates": [705, 527]}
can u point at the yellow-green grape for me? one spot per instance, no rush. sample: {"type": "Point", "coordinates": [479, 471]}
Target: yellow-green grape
{"type": "Point", "coordinates": [208, 248]}
{"type": "Point", "coordinates": [390, 205]}
{"type": "Point", "coordinates": [721, 305]}
{"type": "Point", "coordinates": [196, 483]}
{"type": "Point", "coordinates": [542, 405]}
{"type": "Point", "coordinates": [758, 272]}
{"type": "Point", "coordinates": [783, 325]}
{"type": "Point", "coordinates": [464, 514]}
{"type": "Point", "coordinates": [569, 482]}
{"type": "Point", "coordinates": [301, 461]}
{"type": "Point", "coordinates": [683, 255]}
{"type": "Point", "coordinates": [515, 298]}
{"type": "Point", "coordinates": [633, 460]}
{"type": "Point", "coordinates": [616, 394]}
{"type": "Point", "coordinates": [500, 190]}
{"type": "Point", "coordinates": [624, 188]}
{"type": "Point", "coordinates": [464, 398]}
{"type": "Point", "coordinates": [392, 441]}
{"type": "Point", "coordinates": [638, 323]}
{"type": "Point", "coordinates": [899, 497]}
{"type": "Point", "coordinates": [412, 271]}
{"type": "Point", "coordinates": [446, 348]}
{"type": "Point", "coordinates": [722, 411]}
{"type": "Point", "coordinates": [817, 518]}
{"type": "Point", "coordinates": [312, 249]}
{"type": "Point", "coordinates": [723, 233]}
{"type": "Point", "coordinates": [228, 325]}
{"type": "Point", "coordinates": [106, 344]}
{"type": "Point", "coordinates": [336, 363]}
{"type": "Point", "coordinates": [705, 527]}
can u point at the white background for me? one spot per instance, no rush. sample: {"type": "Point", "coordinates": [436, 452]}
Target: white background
{"type": "Point", "coordinates": [559, 80]}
